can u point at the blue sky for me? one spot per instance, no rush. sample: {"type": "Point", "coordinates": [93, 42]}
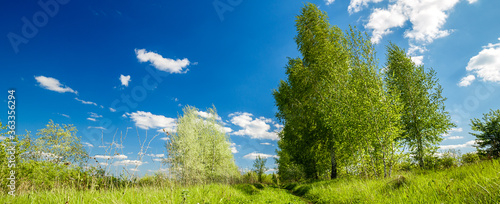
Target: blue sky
{"type": "Point", "coordinates": [124, 67]}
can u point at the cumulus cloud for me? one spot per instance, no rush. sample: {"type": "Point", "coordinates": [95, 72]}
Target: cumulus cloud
{"type": "Point", "coordinates": [147, 120]}
{"type": "Point", "coordinates": [86, 102]}
{"type": "Point", "coordinates": [427, 19]}
{"type": "Point", "coordinates": [161, 63]}
{"type": "Point", "coordinates": [467, 144]}
{"type": "Point", "coordinates": [358, 5]}
{"type": "Point", "coordinates": [128, 162]}
{"type": "Point", "coordinates": [485, 65]}
{"type": "Point", "coordinates": [418, 60]}
{"type": "Point", "coordinates": [233, 148]}
{"type": "Point", "coordinates": [454, 137]}
{"type": "Point", "coordinates": [254, 155]}
{"type": "Point", "coordinates": [256, 128]}
{"type": "Point", "coordinates": [466, 81]}
{"type": "Point", "coordinates": [207, 115]}
{"type": "Point", "coordinates": [328, 2]}
{"type": "Point", "coordinates": [156, 155]}
{"type": "Point", "coordinates": [53, 85]}
{"type": "Point", "coordinates": [124, 79]}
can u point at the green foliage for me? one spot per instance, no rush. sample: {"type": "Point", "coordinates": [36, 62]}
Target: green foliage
{"type": "Point", "coordinates": [470, 158]}
{"type": "Point", "coordinates": [56, 143]}
{"type": "Point", "coordinates": [199, 150]}
{"type": "Point", "coordinates": [259, 166]}
{"type": "Point", "coordinates": [488, 140]}
{"type": "Point", "coordinates": [335, 107]}
{"type": "Point", "coordinates": [424, 117]}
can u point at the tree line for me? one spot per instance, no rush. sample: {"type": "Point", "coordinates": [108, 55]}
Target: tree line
{"type": "Point", "coordinates": [342, 113]}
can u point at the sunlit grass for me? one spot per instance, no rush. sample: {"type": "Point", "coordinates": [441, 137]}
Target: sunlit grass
{"type": "Point", "coordinates": [213, 193]}
{"type": "Point", "coordinates": [468, 184]}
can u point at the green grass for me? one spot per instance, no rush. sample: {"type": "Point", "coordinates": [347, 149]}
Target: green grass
{"type": "Point", "coordinates": [214, 193]}
{"type": "Point", "coordinates": [479, 183]}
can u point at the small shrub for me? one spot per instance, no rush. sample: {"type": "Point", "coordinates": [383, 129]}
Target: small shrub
{"type": "Point", "coordinates": [470, 158]}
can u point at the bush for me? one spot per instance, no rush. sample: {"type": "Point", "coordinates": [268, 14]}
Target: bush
{"type": "Point", "coordinates": [470, 158]}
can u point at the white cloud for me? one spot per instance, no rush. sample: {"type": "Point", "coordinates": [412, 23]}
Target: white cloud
{"type": "Point", "coordinates": [271, 170]}
{"type": "Point", "coordinates": [382, 20]}
{"type": "Point", "coordinates": [95, 115]}
{"type": "Point", "coordinates": [165, 138]}
{"type": "Point", "coordinates": [67, 116]}
{"type": "Point", "coordinates": [156, 155]}
{"type": "Point", "coordinates": [100, 128]}
{"type": "Point", "coordinates": [472, 1]}
{"type": "Point", "coordinates": [124, 79]}
{"type": "Point", "coordinates": [158, 159]}
{"type": "Point", "coordinates": [466, 81]}
{"type": "Point", "coordinates": [257, 128]}
{"type": "Point", "coordinates": [53, 85]}
{"type": "Point", "coordinates": [328, 2]}
{"type": "Point", "coordinates": [453, 130]}
{"type": "Point", "coordinates": [485, 65]}
{"type": "Point", "coordinates": [254, 155]}
{"type": "Point", "coordinates": [265, 143]}
{"type": "Point", "coordinates": [233, 148]}
{"type": "Point", "coordinates": [147, 120]}
{"type": "Point", "coordinates": [92, 119]}
{"type": "Point", "coordinates": [121, 156]}
{"type": "Point", "coordinates": [161, 63]}
{"type": "Point", "coordinates": [134, 169]}
{"type": "Point", "coordinates": [112, 109]}
{"type": "Point", "coordinates": [426, 16]}
{"type": "Point", "coordinates": [454, 137]}
{"type": "Point", "coordinates": [467, 144]}
{"type": "Point", "coordinates": [228, 130]}
{"type": "Point", "coordinates": [103, 163]}
{"type": "Point", "coordinates": [207, 115]}
{"type": "Point", "coordinates": [88, 144]}
{"type": "Point", "coordinates": [3, 137]}
{"type": "Point", "coordinates": [418, 60]}
{"type": "Point", "coordinates": [358, 5]}
{"type": "Point", "coordinates": [86, 102]}
{"type": "Point", "coordinates": [128, 162]}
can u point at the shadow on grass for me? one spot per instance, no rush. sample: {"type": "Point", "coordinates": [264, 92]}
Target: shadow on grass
{"type": "Point", "coordinates": [248, 189]}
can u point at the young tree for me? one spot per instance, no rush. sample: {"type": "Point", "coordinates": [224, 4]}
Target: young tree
{"type": "Point", "coordinates": [56, 143]}
{"type": "Point", "coordinates": [488, 140]}
{"type": "Point", "coordinates": [424, 117]}
{"type": "Point", "coordinates": [199, 151]}
{"type": "Point", "coordinates": [259, 166]}
{"type": "Point", "coordinates": [312, 92]}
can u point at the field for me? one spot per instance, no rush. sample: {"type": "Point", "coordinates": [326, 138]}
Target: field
{"type": "Point", "coordinates": [476, 183]}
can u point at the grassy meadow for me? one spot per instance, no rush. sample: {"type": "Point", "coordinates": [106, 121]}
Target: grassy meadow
{"type": "Point", "coordinates": [473, 183]}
